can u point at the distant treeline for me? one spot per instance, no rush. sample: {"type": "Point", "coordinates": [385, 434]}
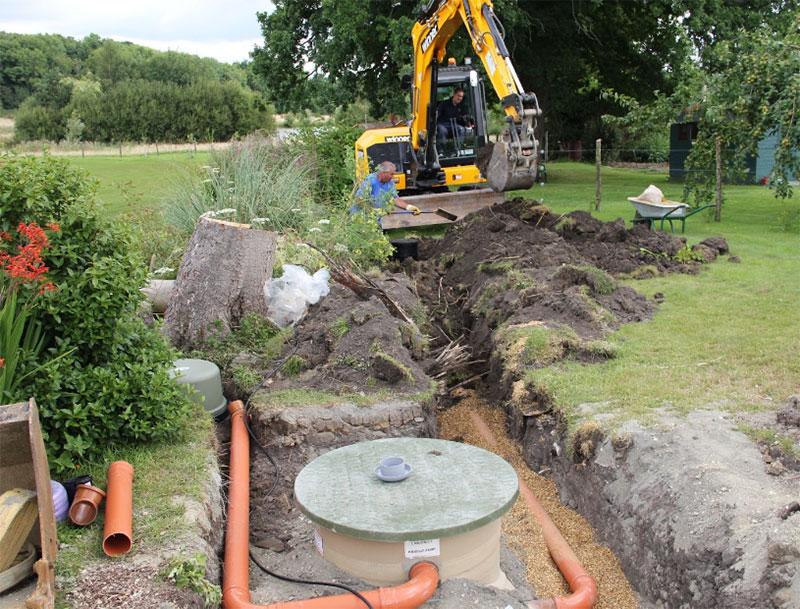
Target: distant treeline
{"type": "Point", "coordinates": [106, 91]}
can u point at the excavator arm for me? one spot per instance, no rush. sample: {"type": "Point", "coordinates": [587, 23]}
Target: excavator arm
{"type": "Point", "coordinates": [511, 163]}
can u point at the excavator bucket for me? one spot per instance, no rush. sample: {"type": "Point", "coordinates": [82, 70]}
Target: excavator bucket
{"type": "Point", "coordinates": [506, 170]}
{"type": "Point", "coordinates": [441, 208]}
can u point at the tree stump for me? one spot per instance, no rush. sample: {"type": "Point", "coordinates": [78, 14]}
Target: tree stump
{"type": "Point", "coordinates": [220, 280]}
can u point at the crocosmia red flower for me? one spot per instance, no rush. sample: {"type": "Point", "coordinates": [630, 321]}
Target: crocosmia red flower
{"type": "Point", "coordinates": [27, 265]}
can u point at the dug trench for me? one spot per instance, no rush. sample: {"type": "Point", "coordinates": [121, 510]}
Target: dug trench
{"type": "Point", "coordinates": [677, 514]}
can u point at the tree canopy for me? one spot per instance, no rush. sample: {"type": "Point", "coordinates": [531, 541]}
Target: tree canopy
{"type": "Point", "coordinates": [104, 90]}
{"type": "Point", "coordinates": [569, 53]}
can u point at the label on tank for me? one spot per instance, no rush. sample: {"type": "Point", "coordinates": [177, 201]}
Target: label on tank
{"type": "Point", "coordinates": [422, 548]}
{"type": "Point", "coordinates": [318, 543]}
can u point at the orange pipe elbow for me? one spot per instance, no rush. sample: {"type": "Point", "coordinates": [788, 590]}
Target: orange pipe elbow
{"type": "Point", "coordinates": [423, 577]}
{"type": "Point", "coordinates": [118, 527]}
{"type": "Point", "coordinates": [582, 585]}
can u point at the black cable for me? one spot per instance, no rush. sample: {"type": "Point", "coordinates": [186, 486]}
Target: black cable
{"type": "Point", "coordinates": [275, 479]}
{"type": "Point", "coordinates": [293, 580]}
{"type": "Point", "coordinates": [246, 418]}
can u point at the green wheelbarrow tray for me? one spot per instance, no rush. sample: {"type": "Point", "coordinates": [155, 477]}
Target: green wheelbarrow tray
{"type": "Point", "coordinates": [648, 214]}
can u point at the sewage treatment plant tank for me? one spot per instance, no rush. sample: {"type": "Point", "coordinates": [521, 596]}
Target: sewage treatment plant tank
{"type": "Point", "coordinates": [446, 511]}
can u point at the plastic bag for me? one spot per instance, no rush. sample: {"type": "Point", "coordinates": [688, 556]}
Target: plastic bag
{"type": "Point", "coordinates": [289, 295]}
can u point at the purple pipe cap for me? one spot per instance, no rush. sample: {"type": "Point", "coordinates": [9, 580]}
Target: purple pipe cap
{"type": "Point", "coordinates": [60, 501]}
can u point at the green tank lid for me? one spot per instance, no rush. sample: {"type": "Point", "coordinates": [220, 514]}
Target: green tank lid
{"type": "Point", "coordinates": [453, 488]}
{"type": "Point", "coordinates": [205, 378]}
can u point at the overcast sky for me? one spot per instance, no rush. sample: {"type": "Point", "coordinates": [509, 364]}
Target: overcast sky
{"type": "Point", "coordinates": [224, 30]}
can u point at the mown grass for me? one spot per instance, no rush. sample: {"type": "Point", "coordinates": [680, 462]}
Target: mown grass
{"type": "Point", "coordinates": [133, 184]}
{"type": "Point", "coordinates": [725, 337]}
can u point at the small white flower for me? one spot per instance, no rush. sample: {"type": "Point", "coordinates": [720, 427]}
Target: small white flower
{"type": "Point", "coordinates": [324, 221]}
{"type": "Point", "coordinates": [208, 181]}
{"type": "Point", "coordinates": [259, 221]}
{"type": "Point", "coordinates": [220, 212]}
{"type": "Point", "coordinates": [295, 209]}
{"type": "Point", "coordinates": [314, 229]}
{"type": "Point", "coordinates": [163, 270]}
{"type": "Point", "coordinates": [340, 247]}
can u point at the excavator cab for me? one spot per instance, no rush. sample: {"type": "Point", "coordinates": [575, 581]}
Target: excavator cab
{"type": "Point", "coordinates": [458, 140]}
{"type": "Point", "coordinates": [444, 163]}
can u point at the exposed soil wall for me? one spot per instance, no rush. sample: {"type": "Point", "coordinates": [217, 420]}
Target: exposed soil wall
{"type": "Point", "coordinates": [687, 506]}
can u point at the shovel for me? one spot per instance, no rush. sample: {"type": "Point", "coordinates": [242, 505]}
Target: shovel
{"type": "Point", "coordinates": [443, 213]}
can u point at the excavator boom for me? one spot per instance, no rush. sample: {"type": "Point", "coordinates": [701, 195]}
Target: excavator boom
{"type": "Point", "coordinates": [511, 163]}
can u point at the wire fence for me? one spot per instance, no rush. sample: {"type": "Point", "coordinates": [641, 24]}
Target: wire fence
{"type": "Point", "coordinates": [84, 149]}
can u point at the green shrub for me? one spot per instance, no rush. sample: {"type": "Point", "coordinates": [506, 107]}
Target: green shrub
{"type": "Point", "coordinates": [258, 338]}
{"type": "Point", "coordinates": [294, 365]}
{"type": "Point", "coordinates": [332, 148]}
{"type": "Point", "coordinates": [98, 275]}
{"type": "Point", "coordinates": [34, 121]}
{"type": "Point", "coordinates": [353, 237]}
{"type": "Point", "coordinates": [191, 574]}
{"type": "Point", "coordinates": [106, 376]}
{"type": "Point", "coordinates": [273, 187]}
{"type": "Point", "coordinates": [39, 190]}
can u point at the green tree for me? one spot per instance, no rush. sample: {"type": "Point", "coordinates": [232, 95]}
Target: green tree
{"type": "Point", "coordinates": [37, 122]}
{"type": "Point", "coordinates": [753, 91]}
{"type": "Point", "coordinates": [117, 61]}
{"type": "Point", "coordinates": [361, 45]}
{"type": "Point", "coordinates": [569, 54]}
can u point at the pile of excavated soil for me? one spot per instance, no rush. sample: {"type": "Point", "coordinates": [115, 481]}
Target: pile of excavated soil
{"type": "Point", "coordinates": [522, 532]}
{"type": "Point", "coordinates": [533, 236]}
{"type": "Point", "coordinates": [349, 345]}
{"type": "Point", "coordinates": [517, 264]}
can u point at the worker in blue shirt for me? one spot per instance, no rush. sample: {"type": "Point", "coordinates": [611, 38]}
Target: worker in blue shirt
{"type": "Point", "coordinates": [379, 188]}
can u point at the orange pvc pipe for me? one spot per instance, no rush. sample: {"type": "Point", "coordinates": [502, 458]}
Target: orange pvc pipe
{"type": "Point", "coordinates": [582, 585]}
{"type": "Point", "coordinates": [118, 527]}
{"type": "Point", "coordinates": [423, 577]}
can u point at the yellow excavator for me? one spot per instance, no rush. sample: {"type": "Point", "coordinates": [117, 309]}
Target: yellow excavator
{"type": "Point", "coordinates": [445, 170]}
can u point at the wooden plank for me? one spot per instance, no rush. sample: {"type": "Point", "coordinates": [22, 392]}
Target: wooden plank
{"type": "Point", "coordinates": [459, 204]}
{"type": "Point", "coordinates": [41, 468]}
{"type": "Point", "coordinates": [44, 597]}
{"type": "Point", "coordinates": [17, 516]}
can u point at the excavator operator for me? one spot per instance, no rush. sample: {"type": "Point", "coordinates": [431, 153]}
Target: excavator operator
{"type": "Point", "coordinates": [451, 121]}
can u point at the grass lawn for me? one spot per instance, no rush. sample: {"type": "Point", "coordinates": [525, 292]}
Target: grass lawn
{"type": "Point", "coordinates": [727, 336]}
{"type": "Point", "coordinates": [135, 183]}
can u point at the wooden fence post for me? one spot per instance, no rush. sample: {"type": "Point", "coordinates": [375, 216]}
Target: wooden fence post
{"type": "Point", "coordinates": [718, 202]}
{"type": "Point", "coordinates": [598, 155]}
{"type": "Point", "coordinates": [546, 146]}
